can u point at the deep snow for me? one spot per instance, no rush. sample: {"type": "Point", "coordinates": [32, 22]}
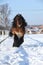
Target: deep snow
{"type": "Point", "coordinates": [29, 53]}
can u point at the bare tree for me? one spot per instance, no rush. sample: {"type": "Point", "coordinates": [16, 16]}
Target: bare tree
{"type": "Point", "coordinates": [5, 12]}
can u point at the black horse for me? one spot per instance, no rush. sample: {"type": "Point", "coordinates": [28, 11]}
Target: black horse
{"type": "Point", "coordinates": [18, 30]}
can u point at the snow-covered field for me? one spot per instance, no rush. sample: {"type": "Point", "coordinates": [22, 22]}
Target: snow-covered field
{"type": "Point", "coordinates": [29, 53]}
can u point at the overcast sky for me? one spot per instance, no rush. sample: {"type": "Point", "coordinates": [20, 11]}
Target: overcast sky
{"type": "Point", "coordinates": [32, 10]}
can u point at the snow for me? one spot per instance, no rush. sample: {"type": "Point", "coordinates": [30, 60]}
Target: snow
{"type": "Point", "coordinates": [29, 53]}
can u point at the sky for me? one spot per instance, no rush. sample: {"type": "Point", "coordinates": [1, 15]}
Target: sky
{"type": "Point", "coordinates": [31, 10]}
